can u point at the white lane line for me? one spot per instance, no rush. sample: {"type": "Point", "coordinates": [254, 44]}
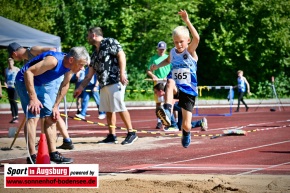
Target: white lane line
{"type": "Point", "coordinates": [251, 125]}
{"type": "Point", "coordinates": [260, 169]}
{"type": "Point", "coordinates": [206, 168]}
{"type": "Point", "coordinates": [209, 156]}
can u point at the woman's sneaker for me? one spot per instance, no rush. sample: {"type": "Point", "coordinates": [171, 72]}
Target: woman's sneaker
{"type": "Point", "coordinates": [57, 158]}
{"type": "Point", "coordinates": [14, 120]}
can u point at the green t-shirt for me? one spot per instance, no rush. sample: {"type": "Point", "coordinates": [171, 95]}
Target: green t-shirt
{"type": "Point", "coordinates": [160, 72]}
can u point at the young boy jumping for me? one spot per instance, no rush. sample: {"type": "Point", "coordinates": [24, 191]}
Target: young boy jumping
{"type": "Point", "coordinates": [182, 79]}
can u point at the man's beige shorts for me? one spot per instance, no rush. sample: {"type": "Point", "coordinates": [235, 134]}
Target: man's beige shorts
{"type": "Point", "coordinates": [112, 98]}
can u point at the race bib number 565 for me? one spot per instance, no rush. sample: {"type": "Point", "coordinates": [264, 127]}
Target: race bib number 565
{"type": "Point", "coordinates": [181, 75]}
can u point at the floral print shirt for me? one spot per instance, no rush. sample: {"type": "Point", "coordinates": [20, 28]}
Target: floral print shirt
{"type": "Point", "coordinates": [105, 62]}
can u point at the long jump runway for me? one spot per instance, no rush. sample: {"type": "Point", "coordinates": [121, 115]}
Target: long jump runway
{"type": "Point", "coordinates": [264, 150]}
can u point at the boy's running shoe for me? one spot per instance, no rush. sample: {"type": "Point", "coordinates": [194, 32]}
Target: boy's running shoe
{"type": "Point", "coordinates": [185, 139]}
{"type": "Point", "coordinates": [164, 115]}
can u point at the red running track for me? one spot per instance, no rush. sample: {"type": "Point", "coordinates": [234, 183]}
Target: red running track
{"type": "Point", "coordinates": [265, 149]}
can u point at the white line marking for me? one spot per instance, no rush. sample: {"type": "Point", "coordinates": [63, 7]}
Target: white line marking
{"type": "Point", "coordinates": [209, 156]}
{"type": "Point", "coordinates": [260, 169]}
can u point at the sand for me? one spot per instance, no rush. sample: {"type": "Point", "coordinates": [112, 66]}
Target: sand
{"type": "Point", "coordinates": [139, 183]}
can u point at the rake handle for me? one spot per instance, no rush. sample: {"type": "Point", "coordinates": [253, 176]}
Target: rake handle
{"type": "Point", "coordinates": [16, 135]}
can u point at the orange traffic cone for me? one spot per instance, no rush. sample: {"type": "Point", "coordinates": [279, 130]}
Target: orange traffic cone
{"type": "Point", "coordinates": [42, 155]}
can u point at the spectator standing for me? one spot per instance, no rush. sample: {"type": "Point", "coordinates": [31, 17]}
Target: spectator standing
{"type": "Point", "coordinates": [92, 90]}
{"type": "Point", "coordinates": [10, 74]}
{"type": "Point", "coordinates": [243, 86]}
{"type": "Point", "coordinates": [109, 63]}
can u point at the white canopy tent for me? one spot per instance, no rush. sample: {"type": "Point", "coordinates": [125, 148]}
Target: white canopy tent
{"type": "Point", "coordinates": [11, 31]}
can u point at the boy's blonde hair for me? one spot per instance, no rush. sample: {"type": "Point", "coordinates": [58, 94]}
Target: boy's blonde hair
{"type": "Point", "coordinates": [239, 71]}
{"type": "Point", "coordinates": [181, 31]}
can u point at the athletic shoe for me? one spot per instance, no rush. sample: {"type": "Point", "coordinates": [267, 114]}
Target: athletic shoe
{"type": "Point", "coordinates": [80, 116]}
{"type": "Point", "coordinates": [159, 125]}
{"type": "Point", "coordinates": [33, 157]}
{"type": "Point", "coordinates": [164, 115]}
{"type": "Point", "coordinates": [14, 120]}
{"type": "Point", "coordinates": [59, 159]}
{"type": "Point", "coordinates": [109, 139]}
{"type": "Point", "coordinates": [131, 137]}
{"type": "Point", "coordinates": [204, 124]}
{"type": "Point", "coordinates": [247, 108]}
{"type": "Point", "coordinates": [102, 116]}
{"type": "Point", "coordinates": [171, 129]}
{"type": "Point", "coordinates": [185, 139]}
{"type": "Point", "coordinates": [66, 145]}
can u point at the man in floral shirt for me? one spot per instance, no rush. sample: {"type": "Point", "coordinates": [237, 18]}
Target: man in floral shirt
{"type": "Point", "coordinates": [109, 63]}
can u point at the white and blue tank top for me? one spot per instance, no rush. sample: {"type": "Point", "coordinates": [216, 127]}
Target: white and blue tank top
{"type": "Point", "coordinates": [183, 71]}
{"type": "Point", "coordinates": [241, 84]}
{"type": "Point", "coordinates": [10, 76]}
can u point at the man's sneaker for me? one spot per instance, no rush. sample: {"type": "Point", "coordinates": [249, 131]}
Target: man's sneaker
{"type": "Point", "coordinates": [80, 116]}
{"type": "Point", "coordinates": [164, 115]}
{"type": "Point", "coordinates": [66, 145]}
{"type": "Point", "coordinates": [109, 139]}
{"type": "Point", "coordinates": [204, 124]}
{"type": "Point", "coordinates": [102, 116]}
{"type": "Point", "coordinates": [185, 139]}
{"type": "Point", "coordinates": [57, 158]}
{"type": "Point", "coordinates": [171, 129]}
{"type": "Point", "coordinates": [159, 125]}
{"type": "Point", "coordinates": [33, 157]}
{"type": "Point", "coordinates": [131, 137]}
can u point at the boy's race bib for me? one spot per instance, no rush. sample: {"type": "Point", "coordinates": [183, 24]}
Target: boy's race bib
{"type": "Point", "coordinates": [181, 75]}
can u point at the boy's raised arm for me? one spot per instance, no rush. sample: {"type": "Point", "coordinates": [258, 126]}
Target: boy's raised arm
{"type": "Point", "coordinates": [195, 36]}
